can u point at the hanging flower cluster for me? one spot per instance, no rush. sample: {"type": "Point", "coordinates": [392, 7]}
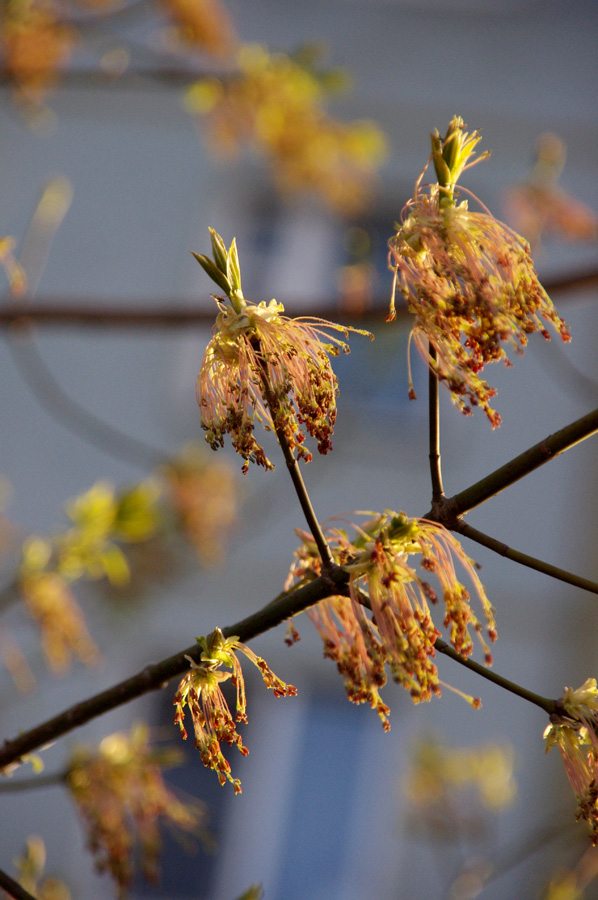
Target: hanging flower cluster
{"type": "Point", "coordinates": [121, 795]}
{"type": "Point", "coordinates": [263, 366]}
{"type": "Point", "coordinates": [574, 730]}
{"type": "Point", "coordinates": [468, 279]}
{"type": "Point", "coordinates": [400, 634]}
{"type": "Point", "coordinates": [200, 691]}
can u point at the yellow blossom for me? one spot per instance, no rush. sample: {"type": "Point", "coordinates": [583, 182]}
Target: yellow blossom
{"type": "Point", "coordinates": [261, 366]}
{"type": "Point", "coordinates": [468, 279]}
{"type": "Point", "coordinates": [574, 730]}
{"type": "Point", "coordinates": [400, 634]}
{"type": "Point", "coordinates": [200, 691]}
{"type": "Point", "coordinates": [275, 104]}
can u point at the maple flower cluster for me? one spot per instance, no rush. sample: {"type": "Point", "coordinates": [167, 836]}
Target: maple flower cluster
{"type": "Point", "coordinates": [400, 634]}
{"type": "Point", "coordinates": [574, 730]}
{"type": "Point", "coordinates": [468, 279]}
{"type": "Point", "coordinates": [200, 691]}
{"type": "Point", "coordinates": [121, 795]}
{"type": "Point", "coordinates": [263, 366]}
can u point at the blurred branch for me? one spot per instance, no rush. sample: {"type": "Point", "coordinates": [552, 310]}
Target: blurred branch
{"type": "Point", "coordinates": [76, 418]}
{"type": "Point", "coordinates": [173, 313]}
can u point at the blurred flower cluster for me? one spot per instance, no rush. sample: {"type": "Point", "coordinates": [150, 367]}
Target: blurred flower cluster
{"type": "Point", "coordinates": [451, 790]}
{"type": "Point", "coordinates": [400, 633]}
{"type": "Point", "coordinates": [204, 498]}
{"type": "Point", "coordinates": [275, 105]}
{"type": "Point", "coordinates": [90, 549]}
{"type": "Point", "coordinates": [200, 691]}
{"type": "Point", "coordinates": [262, 366]}
{"type": "Point", "coordinates": [121, 795]}
{"type": "Point", "coordinates": [14, 271]}
{"type": "Point", "coordinates": [30, 873]}
{"type": "Point", "coordinates": [202, 25]}
{"type": "Point", "coordinates": [35, 43]}
{"type": "Point", "coordinates": [468, 279]}
{"type": "Point", "coordinates": [540, 208]}
{"type": "Point", "coordinates": [189, 496]}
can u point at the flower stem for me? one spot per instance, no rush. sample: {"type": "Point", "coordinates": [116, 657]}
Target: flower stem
{"type": "Point", "coordinates": [295, 473]}
{"type": "Point", "coordinates": [434, 431]}
{"type": "Point", "coordinates": [544, 703]}
{"type": "Point", "coordinates": [525, 560]}
{"type": "Point", "coordinates": [305, 501]}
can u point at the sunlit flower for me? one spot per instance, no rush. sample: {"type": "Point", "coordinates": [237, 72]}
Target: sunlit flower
{"type": "Point", "coordinates": [468, 279]}
{"type": "Point", "coordinates": [573, 730]}
{"type": "Point", "coordinates": [123, 800]}
{"type": "Point", "coordinates": [263, 366]}
{"type": "Point", "coordinates": [200, 691]}
{"type": "Point", "coordinates": [400, 634]}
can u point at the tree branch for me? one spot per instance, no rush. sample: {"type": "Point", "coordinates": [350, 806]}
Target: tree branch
{"type": "Point", "coordinates": [13, 888]}
{"type": "Point", "coordinates": [549, 706]}
{"type": "Point", "coordinates": [516, 469]}
{"type": "Point", "coordinates": [538, 564]}
{"type": "Point", "coordinates": [156, 676]}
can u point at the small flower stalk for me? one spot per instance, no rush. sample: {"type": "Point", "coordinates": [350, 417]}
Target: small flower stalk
{"type": "Point", "coordinates": [468, 279]}
{"type": "Point", "coordinates": [400, 634]}
{"type": "Point", "coordinates": [261, 366]}
{"type": "Point", "coordinates": [200, 691]}
{"type": "Point", "coordinates": [574, 730]}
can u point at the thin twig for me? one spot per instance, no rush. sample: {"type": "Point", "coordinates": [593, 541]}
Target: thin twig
{"type": "Point", "coordinates": [517, 556]}
{"type": "Point", "coordinates": [519, 467]}
{"type": "Point", "coordinates": [305, 501]}
{"type": "Point", "coordinates": [549, 706]}
{"type": "Point", "coordinates": [294, 471]}
{"type": "Point", "coordinates": [13, 888]}
{"type": "Point", "coordinates": [434, 431]}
